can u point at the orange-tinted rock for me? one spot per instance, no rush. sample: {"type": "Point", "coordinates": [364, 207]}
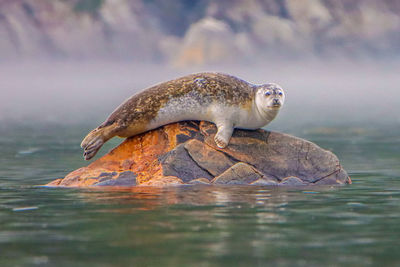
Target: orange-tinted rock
{"type": "Point", "coordinates": [185, 153]}
{"type": "Point", "coordinates": [163, 180]}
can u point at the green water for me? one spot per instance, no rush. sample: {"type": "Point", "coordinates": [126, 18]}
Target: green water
{"type": "Point", "coordinates": [357, 225]}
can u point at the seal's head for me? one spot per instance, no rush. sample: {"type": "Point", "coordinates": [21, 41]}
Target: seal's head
{"type": "Point", "coordinates": [269, 96]}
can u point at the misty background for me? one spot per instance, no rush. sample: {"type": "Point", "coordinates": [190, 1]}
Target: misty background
{"type": "Point", "coordinates": [74, 61]}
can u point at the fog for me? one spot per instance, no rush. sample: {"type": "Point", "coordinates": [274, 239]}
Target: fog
{"type": "Point", "coordinates": [318, 93]}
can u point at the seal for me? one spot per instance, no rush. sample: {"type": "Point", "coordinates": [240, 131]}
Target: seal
{"type": "Point", "coordinates": [222, 99]}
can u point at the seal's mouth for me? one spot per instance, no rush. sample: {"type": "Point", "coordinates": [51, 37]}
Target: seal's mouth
{"type": "Point", "coordinates": [276, 106]}
{"type": "Point", "coordinates": [276, 103]}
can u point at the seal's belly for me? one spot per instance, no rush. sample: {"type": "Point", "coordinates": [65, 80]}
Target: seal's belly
{"type": "Point", "coordinates": [246, 119]}
{"type": "Point", "coordinates": [240, 117]}
{"type": "Point", "coordinates": [188, 108]}
{"type": "Point", "coordinates": [180, 109]}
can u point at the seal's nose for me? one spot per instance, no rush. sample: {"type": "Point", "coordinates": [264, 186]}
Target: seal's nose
{"type": "Point", "coordinates": [276, 102]}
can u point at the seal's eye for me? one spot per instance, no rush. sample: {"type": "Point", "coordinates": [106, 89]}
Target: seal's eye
{"type": "Point", "coordinates": [267, 93]}
{"type": "Point", "coordinates": [280, 93]}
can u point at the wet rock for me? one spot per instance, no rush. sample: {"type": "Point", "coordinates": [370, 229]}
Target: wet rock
{"type": "Point", "coordinates": [185, 153]}
{"type": "Point", "coordinates": [163, 181]}
{"type": "Point", "coordinates": [240, 173]}
{"type": "Point", "coordinates": [292, 181]}
{"type": "Point", "coordinates": [338, 175]}
{"type": "Point", "coordinates": [126, 178]}
{"type": "Point", "coordinates": [200, 181]}
{"type": "Point", "coordinates": [105, 176]}
{"type": "Point", "coordinates": [263, 181]}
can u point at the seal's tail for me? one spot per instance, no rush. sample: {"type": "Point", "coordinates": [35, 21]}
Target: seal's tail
{"type": "Point", "coordinates": [95, 140]}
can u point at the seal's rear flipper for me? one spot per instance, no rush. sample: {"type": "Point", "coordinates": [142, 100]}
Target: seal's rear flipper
{"type": "Point", "coordinates": [91, 150]}
{"type": "Point", "coordinates": [95, 140]}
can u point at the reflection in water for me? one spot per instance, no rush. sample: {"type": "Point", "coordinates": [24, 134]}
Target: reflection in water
{"type": "Point", "coordinates": [187, 225]}
{"type": "Point", "coordinates": [153, 197]}
{"type": "Point", "coordinates": [217, 210]}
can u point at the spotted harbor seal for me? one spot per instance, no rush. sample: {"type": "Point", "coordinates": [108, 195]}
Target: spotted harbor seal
{"type": "Point", "coordinates": [225, 100]}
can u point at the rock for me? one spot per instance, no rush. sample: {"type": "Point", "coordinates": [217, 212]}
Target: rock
{"type": "Point", "coordinates": [126, 178]}
{"type": "Point", "coordinates": [292, 181]}
{"type": "Point", "coordinates": [263, 181]}
{"type": "Point", "coordinates": [163, 181]}
{"type": "Point", "coordinates": [207, 158]}
{"type": "Point", "coordinates": [177, 162]}
{"type": "Point", "coordinates": [185, 153]}
{"type": "Point", "coordinates": [279, 34]}
{"type": "Point", "coordinates": [240, 173]}
{"type": "Point", "coordinates": [279, 155]}
{"type": "Point", "coordinates": [200, 181]}
{"type": "Point", "coordinates": [207, 41]}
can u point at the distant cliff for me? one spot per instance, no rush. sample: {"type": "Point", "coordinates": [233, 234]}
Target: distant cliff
{"type": "Point", "coordinates": [198, 32]}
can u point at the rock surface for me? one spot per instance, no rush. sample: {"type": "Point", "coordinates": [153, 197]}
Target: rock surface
{"type": "Point", "coordinates": [185, 153]}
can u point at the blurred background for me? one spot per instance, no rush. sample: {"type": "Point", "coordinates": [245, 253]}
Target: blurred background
{"type": "Point", "coordinates": [72, 61]}
{"type": "Point", "coordinates": [182, 33]}
{"type": "Point", "coordinates": [65, 65]}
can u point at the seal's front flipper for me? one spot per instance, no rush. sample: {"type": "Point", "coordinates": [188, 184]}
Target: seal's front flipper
{"type": "Point", "coordinates": [224, 134]}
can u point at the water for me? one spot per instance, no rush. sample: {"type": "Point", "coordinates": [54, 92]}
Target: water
{"type": "Point", "coordinates": [358, 224]}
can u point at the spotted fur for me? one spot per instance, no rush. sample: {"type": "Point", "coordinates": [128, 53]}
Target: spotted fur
{"type": "Point", "coordinates": [220, 98]}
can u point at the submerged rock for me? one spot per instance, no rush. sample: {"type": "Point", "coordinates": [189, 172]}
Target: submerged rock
{"type": "Point", "coordinates": [185, 153]}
